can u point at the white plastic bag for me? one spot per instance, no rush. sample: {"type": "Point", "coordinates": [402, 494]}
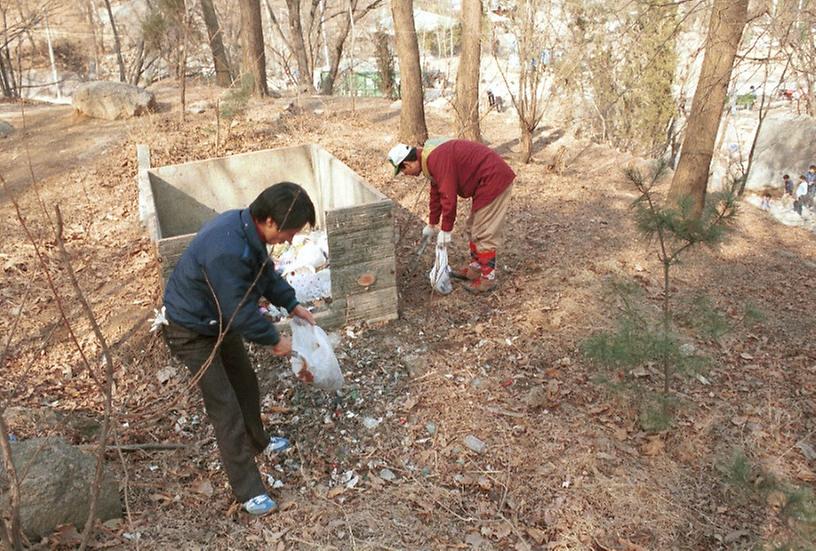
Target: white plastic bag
{"type": "Point", "coordinates": [310, 254]}
{"type": "Point", "coordinates": [440, 273]}
{"type": "Point", "coordinates": [313, 360]}
{"type": "Point", "coordinates": [308, 284]}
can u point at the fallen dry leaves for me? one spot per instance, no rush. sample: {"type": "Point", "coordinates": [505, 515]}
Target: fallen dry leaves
{"type": "Point", "coordinates": [565, 464]}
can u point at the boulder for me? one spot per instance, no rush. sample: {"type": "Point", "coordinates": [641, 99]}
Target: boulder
{"type": "Point", "coordinates": [56, 489]}
{"type": "Point", "coordinates": [112, 100]}
{"type": "Point", "coordinates": [199, 106]}
{"type": "Point", "coordinates": [5, 129]}
{"type": "Point", "coordinates": [78, 426]}
{"type": "Point", "coordinates": [786, 145]}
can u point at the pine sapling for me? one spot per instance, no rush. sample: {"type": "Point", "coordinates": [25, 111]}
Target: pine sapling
{"type": "Point", "coordinates": [638, 341]}
{"type": "Point", "coordinates": [675, 230]}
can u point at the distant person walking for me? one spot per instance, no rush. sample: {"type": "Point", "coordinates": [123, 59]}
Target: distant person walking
{"type": "Point", "coordinates": [766, 201]}
{"type": "Point", "coordinates": [788, 183]}
{"type": "Point", "coordinates": [801, 194]}
{"type": "Point", "coordinates": [810, 178]}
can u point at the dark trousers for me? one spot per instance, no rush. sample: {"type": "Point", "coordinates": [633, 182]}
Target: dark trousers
{"type": "Point", "coordinates": [232, 400]}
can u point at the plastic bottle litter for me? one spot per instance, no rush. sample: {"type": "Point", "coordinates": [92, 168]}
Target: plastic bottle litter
{"type": "Point", "coordinates": [370, 423]}
{"type": "Point", "coordinates": [474, 444]}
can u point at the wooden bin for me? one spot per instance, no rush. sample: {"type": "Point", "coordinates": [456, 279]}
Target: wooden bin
{"type": "Point", "coordinates": [175, 200]}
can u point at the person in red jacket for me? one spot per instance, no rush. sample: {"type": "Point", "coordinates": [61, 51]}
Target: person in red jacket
{"type": "Point", "coordinates": [460, 168]}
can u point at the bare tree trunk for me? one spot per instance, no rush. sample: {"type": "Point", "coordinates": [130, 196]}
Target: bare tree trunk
{"type": "Point", "coordinates": [728, 18]}
{"type": "Point", "coordinates": [6, 83]}
{"type": "Point", "coordinates": [28, 28]}
{"type": "Point", "coordinates": [412, 115]}
{"type": "Point", "coordinates": [337, 52]}
{"type": "Point", "coordinates": [185, 44]}
{"type": "Point", "coordinates": [11, 532]}
{"type": "Point", "coordinates": [305, 83]}
{"type": "Point", "coordinates": [94, 51]}
{"type": "Point", "coordinates": [311, 37]}
{"type": "Point", "coordinates": [526, 143]}
{"type": "Point", "coordinates": [351, 64]}
{"type": "Point", "coordinates": [137, 66]}
{"type": "Point", "coordinates": [117, 45]}
{"type": "Point", "coordinates": [223, 75]}
{"type": "Point", "coordinates": [252, 41]}
{"type": "Point", "coordinates": [336, 55]}
{"type": "Point", "coordinates": [54, 72]}
{"type": "Point", "coordinates": [323, 35]}
{"type": "Point", "coordinates": [10, 87]}
{"type": "Point", "coordinates": [764, 107]}
{"type": "Point", "coordinates": [467, 77]}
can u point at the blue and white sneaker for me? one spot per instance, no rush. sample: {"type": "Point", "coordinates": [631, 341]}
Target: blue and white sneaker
{"type": "Point", "coordinates": [260, 505]}
{"type": "Point", "coordinates": [277, 444]}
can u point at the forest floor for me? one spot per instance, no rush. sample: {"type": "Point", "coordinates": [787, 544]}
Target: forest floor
{"type": "Point", "coordinates": [567, 464]}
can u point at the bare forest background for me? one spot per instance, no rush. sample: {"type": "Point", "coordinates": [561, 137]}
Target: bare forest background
{"type": "Point", "coordinates": [627, 400]}
{"type": "Point", "coordinates": [623, 74]}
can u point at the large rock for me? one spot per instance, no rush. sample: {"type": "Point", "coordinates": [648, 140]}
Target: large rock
{"type": "Point", "coordinates": [113, 100]}
{"type": "Point", "coordinates": [786, 145]}
{"type": "Point", "coordinates": [56, 489]}
{"type": "Point", "coordinates": [5, 129]}
{"type": "Point", "coordinates": [26, 420]}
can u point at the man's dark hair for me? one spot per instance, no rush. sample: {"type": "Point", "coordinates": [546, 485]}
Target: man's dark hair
{"type": "Point", "coordinates": [786, 177]}
{"type": "Point", "coordinates": [287, 204]}
{"type": "Point", "coordinates": [412, 156]}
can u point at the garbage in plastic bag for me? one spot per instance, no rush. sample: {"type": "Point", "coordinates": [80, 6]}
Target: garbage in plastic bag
{"type": "Point", "coordinates": [313, 360]}
{"type": "Point", "coordinates": [309, 249]}
{"type": "Point", "coordinates": [304, 265]}
{"type": "Point", "coordinates": [308, 284]}
{"type": "Point", "coordinates": [440, 273]}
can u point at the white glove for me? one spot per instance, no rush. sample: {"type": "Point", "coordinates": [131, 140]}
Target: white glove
{"type": "Point", "coordinates": [429, 230]}
{"type": "Point", "coordinates": [159, 320]}
{"type": "Point", "coordinates": [443, 238]}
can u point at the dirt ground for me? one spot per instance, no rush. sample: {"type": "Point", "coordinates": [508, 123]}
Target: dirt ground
{"type": "Point", "coordinates": [567, 464]}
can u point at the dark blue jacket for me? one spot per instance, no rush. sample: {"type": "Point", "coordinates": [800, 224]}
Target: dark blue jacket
{"type": "Point", "coordinates": [230, 252]}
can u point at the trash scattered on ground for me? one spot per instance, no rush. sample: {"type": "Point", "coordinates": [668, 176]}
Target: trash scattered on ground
{"type": "Point", "coordinates": [687, 349]}
{"type": "Point", "coordinates": [807, 450]}
{"type": "Point", "coordinates": [273, 482]}
{"type": "Point", "coordinates": [475, 444]}
{"type": "Point", "coordinates": [166, 373]}
{"type": "Point", "coordinates": [370, 423]}
{"type": "Point", "coordinates": [346, 479]}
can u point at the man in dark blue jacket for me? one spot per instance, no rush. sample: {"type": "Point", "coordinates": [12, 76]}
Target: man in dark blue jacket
{"type": "Point", "coordinates": [214, 291]}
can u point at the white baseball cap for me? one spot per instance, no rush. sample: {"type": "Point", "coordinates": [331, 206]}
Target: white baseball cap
{"type": "Point", "coordinates": [397, 155]}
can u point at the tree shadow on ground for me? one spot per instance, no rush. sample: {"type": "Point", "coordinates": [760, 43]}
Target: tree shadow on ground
{"type": "Point", "coordinates": [545, 136]}
{"type": "Point", "coordinates": [384, 116]}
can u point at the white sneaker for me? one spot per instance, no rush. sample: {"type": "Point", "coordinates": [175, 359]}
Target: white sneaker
{"type": "Point", "coordinates": [260, 505]}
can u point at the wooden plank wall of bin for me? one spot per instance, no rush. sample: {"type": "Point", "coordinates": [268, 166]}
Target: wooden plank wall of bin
{"type": "Point", "coordinates": [363, 265]}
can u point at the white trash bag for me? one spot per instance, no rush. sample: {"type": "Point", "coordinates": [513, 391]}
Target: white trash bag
{"type": "Point", "coordinates": [313, 360]}
{"type": "Point", "coordinates": [440, 273]}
